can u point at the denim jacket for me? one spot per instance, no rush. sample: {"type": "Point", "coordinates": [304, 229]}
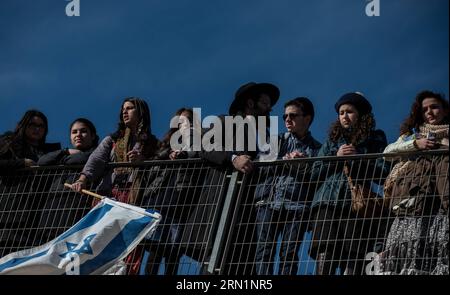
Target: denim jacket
{"type": "Point", "coordinates": [282, 186]}
{"type": "Point", "coordinates": [333, 188]}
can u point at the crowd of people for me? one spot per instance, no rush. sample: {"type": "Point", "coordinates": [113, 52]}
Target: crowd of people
{"type": "Point", "coordinates": [420, 204]}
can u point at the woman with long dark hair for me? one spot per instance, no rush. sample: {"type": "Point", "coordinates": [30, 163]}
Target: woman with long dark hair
{"type": "Point", "coordinates": [23, 147]}
{"type": "Point", "coordinates": [84, 139]}
{"type": "Point", "coordinates": [417, 190]}
{"type": "Point", "coordinates": [339, 238]}
{"type": "Point", "coordinates": [60, 209]}
{"type": "Point", "coordinates": [19, 149]}
{"type": "Point", "coordinates": [133, 141]}
{"type": "Point", "coordinates": [181, 188]}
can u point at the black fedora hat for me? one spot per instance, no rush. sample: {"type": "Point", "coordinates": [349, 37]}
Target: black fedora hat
{"type": "Point", "coordinates": [253, 89]}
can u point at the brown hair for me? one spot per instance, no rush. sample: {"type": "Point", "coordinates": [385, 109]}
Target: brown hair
{"type": "Point", "coordinates": [304, 104]}
{"type": "Point", "coordinates": [16, 141]}
{"type": "Point", "coordinates": [415, 118]}
{"type": "Point", "coordinates": [19, 132]}
{"type": "Point", "coordinates": [91, 127]}
{"type": "Point", "coordinates": [144, 132]}
{"type": "Point", "coordinates": [165, 142]}
{"type": "Point", "coordinates": [358, 133]}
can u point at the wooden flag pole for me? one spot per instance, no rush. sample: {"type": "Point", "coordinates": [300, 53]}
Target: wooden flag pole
{"type": "Point", "coordinates": [86, 192]}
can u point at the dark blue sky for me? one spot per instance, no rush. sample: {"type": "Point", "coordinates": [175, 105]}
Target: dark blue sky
{"type": "Point", "coordinates": [198, 52]}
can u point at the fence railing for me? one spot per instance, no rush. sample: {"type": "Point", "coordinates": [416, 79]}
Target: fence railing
{"type": "Point", "coordinates": [287, 217]}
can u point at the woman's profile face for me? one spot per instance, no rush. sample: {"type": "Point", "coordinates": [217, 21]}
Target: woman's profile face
{"type": "Point", "coordinates": [348, 115]}
{"type": "Point", "coordinates": [35, 130]}
{"type": "Point", "coordinates": [81, 136]}
{"type": "Point", "coordinates": [130, 115]}
{"type": "Point", "coordinates": [433, 111]}
{"type": "Point", "coordinates": [185, 122]}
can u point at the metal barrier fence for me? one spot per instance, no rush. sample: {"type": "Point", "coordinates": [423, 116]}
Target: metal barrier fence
{"type": "Point", "coordinates": [287, 217]}
{"type": "Point", "coordinates": [297, 217]}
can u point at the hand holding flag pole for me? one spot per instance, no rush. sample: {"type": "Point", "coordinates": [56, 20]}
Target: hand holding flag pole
{"type": "Point", "coordinates": [84, 191]}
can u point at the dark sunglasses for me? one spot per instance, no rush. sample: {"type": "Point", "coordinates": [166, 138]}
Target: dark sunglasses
{"type": "Point", "coordinates": [291, 116]}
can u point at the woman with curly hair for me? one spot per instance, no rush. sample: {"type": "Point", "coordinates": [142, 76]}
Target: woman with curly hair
{"type": "Point", "coordinates": [339, 238]}
{"type": "Point", "coordinates": [417, 190]}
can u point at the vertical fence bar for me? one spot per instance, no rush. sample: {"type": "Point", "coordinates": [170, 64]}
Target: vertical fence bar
{"type": "Point", "coordinates": [221, 234]}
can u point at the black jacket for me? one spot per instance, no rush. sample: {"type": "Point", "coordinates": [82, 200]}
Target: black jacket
{"type": "Point", "coordinates": [11, 158]}
{"type": "Point", "coordinates": [224, 158]}
{"type": "Point", "coordinates": [62, 157]}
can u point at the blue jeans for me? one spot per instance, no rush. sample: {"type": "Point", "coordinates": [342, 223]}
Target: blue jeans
{"type": "Point", "coordinates": [271, 223]}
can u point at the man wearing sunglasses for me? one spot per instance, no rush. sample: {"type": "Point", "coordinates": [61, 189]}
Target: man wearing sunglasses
{"type": "Point", "coordinates": [282, 198]}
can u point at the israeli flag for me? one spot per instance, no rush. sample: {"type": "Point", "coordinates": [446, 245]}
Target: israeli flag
{"type": "Point", "coordinates": [105, 236]}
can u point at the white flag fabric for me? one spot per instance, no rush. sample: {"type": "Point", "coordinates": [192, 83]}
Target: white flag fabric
{"type": "Point", "coordinates": [107, 234]}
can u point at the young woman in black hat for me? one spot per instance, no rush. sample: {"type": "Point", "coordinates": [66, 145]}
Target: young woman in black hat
{"type": "Point", "coordinates": [339, 238]}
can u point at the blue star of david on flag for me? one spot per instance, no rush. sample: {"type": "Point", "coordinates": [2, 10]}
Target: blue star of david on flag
{"type": "Point", "coordinates": [84, 249]}
{"type": "Point", "coordinates": [119, 228]}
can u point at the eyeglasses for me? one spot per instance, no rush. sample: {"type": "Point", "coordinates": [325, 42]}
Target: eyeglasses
{"type": "Point", "coordinates": [33, 125]}
{"type": "Point", "coordinates": [291, 116]}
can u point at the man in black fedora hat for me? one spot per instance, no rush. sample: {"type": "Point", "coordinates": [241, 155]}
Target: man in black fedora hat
{"type": "Point", "coordinates": [253, 91]}
{"type": "Point", "coordinates": [251, 99]}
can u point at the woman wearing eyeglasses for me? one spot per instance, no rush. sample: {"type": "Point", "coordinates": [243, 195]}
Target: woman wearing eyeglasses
{"type": "Point", "coordinates": [19, 149]}
{"type": "Point", "coordinates": [23, 147]}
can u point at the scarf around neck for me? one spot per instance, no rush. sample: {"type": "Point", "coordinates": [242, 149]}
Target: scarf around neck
{"type": "Point", "coordinates": [121, 147]}
{"type": "Point", "coordinates": [440, 132]}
